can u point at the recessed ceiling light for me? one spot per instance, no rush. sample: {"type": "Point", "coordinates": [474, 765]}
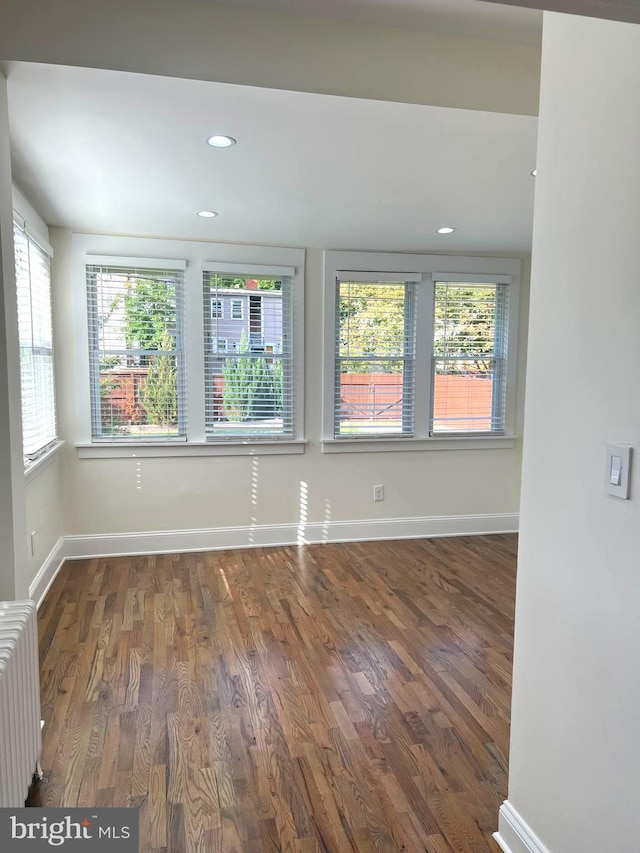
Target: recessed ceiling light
{"type": "Point", "coordinates": [207, 214]}
{"type": "Point", "coordinates": [534, 173]}
{"type": "Point", "coordinates": [446, 229]}
{"type": "Point", "coordinates": [220, 141]}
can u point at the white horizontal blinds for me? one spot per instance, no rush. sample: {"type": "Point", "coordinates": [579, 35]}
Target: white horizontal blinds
{"type": "Point", "coordinates": [33, 282]}
{"type": "Point", "coordinates": [469, 357]}
{"type": "Point", "coordinates": [248, 355]}
{"type": "Point", "coordinates": [136, 355]}
{"type": "Point", "coordinates": [375, 357]}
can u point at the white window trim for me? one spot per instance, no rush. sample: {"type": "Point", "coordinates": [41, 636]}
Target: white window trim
{"type": "Point", "coordinates": [40, 463]}
{"type": "Point", "coordinates": [427, 268]}
{"type": "Point", "coordinates": [460, 442]}
{"type": "Point", "coordinates": [194, 258]}
{"type": "Point", "coordinates": [33, 234]}
{"type": "Point", "coordinates": [219, 303]}
{"type": "Point", "coordinates": [241, 269]}
{"type": "Point", "coordinates": [259, 447]}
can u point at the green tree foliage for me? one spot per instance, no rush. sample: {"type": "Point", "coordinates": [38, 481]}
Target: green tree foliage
{"type": "Point", "coordinates": [252, 389]}
{"type": "Point", "coordinates": [238, 387]}
{"type": "Point", "coordinates": [278, 376]}
{"type": "Point", "coordinates": [160, 395]}
{"type": "Point", "coordinates": [465, 327]}
{"type": "Point", "coordinates": [263, 402]}
{"type": "Point", "coordinates": [108, 384]}
{"type": "Point", "coordinates": [372, 323]}
{"type": "Point", "coordinates": [149, 310]}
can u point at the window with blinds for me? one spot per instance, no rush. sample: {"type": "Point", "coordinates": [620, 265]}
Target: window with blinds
{"type": "Point", "coordinates": [33, 282]}
{"type": "Point", "coordinates": [421, 355]}
{"type": "Point", "coordinates": [375, 358]}
{"type": "Point", "coordinates": [248, 356]}
{"type": "Point", "coordinates": [469, 358]}
{"type": "Point", "coordinates": [136, 358]}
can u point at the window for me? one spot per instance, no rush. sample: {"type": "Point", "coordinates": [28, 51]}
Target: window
{"type": "Point", "coordinates": [419, 355]}
{"type": "Point", "coordinates": [170, 371]}
{"type": "Point", "coordinates": [375, 358]}
{"type": "Point", "coordinates": [249, 392]}
{"type": "Point", "coordinates": [36, 345]}
{"type": "Point", "coordinates": [469, 357]}
{"type": "Point", "coordinates": [135, 319]}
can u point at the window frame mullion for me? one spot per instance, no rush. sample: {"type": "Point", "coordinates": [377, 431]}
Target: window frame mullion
{"type": "Point", "coordinates": [193, 354]}
{"type": "Point", "coordinates": [423, 371]}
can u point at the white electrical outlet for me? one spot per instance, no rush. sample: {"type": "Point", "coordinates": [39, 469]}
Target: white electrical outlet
{"type": "Point", "coordinates": [33, 544]}
{"type": "Point", "coordinates": [378, 493]}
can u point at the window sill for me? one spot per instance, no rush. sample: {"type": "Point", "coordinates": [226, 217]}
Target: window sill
{"type": "Point", "coordinates": [149, 450]}
{"type": "Point", "coordinates": [368, 445]}
{"type": "Point", "coordinates": [35, 468]}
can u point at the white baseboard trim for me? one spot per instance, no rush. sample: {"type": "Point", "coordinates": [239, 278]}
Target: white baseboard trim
{"type": "Point", "coordinates": [39, 586]}
{"type": "Point", "coordinates": [514, 835]}
{"type": "Point", "coordinates": [258, 536]}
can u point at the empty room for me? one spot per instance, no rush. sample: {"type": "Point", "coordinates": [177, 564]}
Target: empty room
{"type": "Point", "coordinates": [316, 320]}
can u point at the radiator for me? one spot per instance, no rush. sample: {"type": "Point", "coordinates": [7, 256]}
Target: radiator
{"type": "Point", "coordinates": [20, 731]}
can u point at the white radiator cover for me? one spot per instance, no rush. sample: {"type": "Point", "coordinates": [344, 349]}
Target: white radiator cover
{"type": "Point", "coordinates": [20, 731]}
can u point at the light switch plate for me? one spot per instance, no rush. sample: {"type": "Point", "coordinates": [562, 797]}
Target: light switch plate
{"type": "Point", "coordinates": [623, 453]}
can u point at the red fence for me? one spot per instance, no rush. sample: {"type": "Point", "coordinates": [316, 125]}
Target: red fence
{"type": "Point", "coordinates": [371, 396]}
{"type": "Point", "coordinates": [364, 396]}
{"type": "Point", "coordinates": [121, 395]}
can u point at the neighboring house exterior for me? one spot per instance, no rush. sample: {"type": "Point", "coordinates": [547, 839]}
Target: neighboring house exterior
{"type": "Point", "coordinates": [255, 313]}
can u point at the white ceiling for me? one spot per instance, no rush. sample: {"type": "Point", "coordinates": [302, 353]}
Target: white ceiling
{"type": "Point", "coordinates": [113, 152]}
{"type": "Point", "coordinates": [471, 18]}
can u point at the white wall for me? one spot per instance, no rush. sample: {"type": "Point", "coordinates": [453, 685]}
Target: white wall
{"type": "Point", "coordinates": [44, 515]}
{"type": "Point", "coordinates": [575, 752]}
{"type": "Point", "coordinates": [257, 47]}
{"type": "Point", "coordinates": [130, 495]}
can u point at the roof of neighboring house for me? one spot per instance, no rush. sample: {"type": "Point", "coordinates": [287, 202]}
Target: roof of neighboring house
{"type": "Point", "coordinates": [241, 291]}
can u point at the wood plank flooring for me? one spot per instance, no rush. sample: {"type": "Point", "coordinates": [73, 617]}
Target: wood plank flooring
{"type": "Point", "coordinates": [329, 698]}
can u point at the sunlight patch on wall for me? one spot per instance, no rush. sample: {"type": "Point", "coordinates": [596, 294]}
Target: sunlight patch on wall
{"type": "Point", "coordinates": [255, 464]}
{"type": "Point", "coordinates": [326, 520]}
{"type": "Point", "coordinates": [304, 512]}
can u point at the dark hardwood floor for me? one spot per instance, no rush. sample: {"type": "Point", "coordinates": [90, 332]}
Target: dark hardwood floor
{"type": "Point", "coordinates": [330, 698]}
